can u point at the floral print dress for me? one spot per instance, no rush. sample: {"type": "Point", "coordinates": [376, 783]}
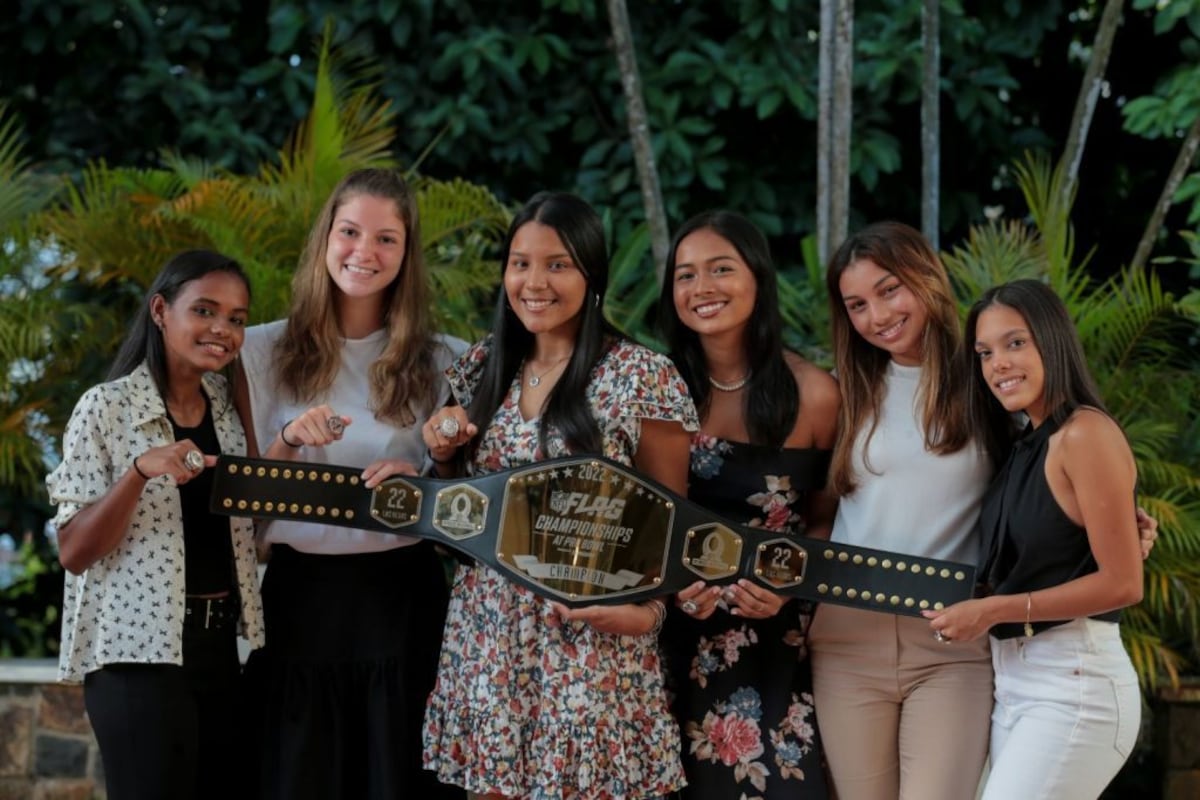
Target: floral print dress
{"type": "Point", "coordinates": [743, 688]}
{"type": "Point", "coordinates": [527, 706]}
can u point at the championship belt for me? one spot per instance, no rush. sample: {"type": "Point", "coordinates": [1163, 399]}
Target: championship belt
{"type": "Point", "coordinates": [586, 530]}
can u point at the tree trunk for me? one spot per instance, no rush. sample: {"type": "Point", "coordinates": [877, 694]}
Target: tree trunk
{"type": "Point", "coordinates": [1089, 95]}
{"type": "Point", "coordinates": [824, 123]}
{"type": "Point", "coordinates": [639, 133]}
{"type": "Point", "coordinates": [1183, 163]}
{"type": "Point", "coordinates": [931, 134]}
{"type": "Point", "coordinates": [843, 100]}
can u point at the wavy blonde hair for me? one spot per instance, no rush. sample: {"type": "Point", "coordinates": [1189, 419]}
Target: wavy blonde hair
{"type": "Point", "coordinates": [861, 367]}
{"type": "Point", "coordinates": [404, 377]}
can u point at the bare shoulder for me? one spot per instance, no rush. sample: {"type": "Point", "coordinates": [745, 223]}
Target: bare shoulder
{"type": "Point", "coordinates": [1087, 424]}
{"type": "Point", "coordinates": [818, 389]}
{"type": "Point", "coordinates": [1090, 436]}
{"type": "Point", "coordinates": [819, 403]}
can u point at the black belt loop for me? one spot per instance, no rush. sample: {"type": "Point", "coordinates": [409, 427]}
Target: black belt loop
{"type": "Point", "coordinates": [211, 613]}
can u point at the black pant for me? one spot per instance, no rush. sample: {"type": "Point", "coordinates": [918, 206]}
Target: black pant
{"type": "Point", "coordinates": [167, 731]}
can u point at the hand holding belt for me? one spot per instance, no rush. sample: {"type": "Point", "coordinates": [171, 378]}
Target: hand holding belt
{"type": "Point", "coordinates": [585, 530]}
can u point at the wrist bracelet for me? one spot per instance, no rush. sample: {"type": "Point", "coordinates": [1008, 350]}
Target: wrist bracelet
{"type": "Point", "coordinates": [449, 460]}
{"type": "Point", "coordinates": [1028, 608]}
{"type": "Point", "coordinates": [659, 608]}
{"type": "Point", "coordinates": [138, 469]}
{"type": "Point", "coordinates": [283, 438]}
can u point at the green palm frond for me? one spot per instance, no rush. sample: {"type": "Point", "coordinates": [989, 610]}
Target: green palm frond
{"type": "Point", "coordinates": [461, 227]}
{"type": "Point", "coordinates": [450, 209]}
{"type": "Point", "coordinates": [21, 457]}
{"type": "Point", "coordinates": [190, 170]}
{"type": "Point", "coordinates": [1150, 654]}
{"type": "Point", "coordinates": [117, 225]}
{"type": "Point", "coordinates": [632, 286]}
{"type": "Point", "coordinates": [348, 127]}
{"type": "Point", "coordinates": [22, 191]}
{"type": "Point", "coordinates": [995, 253]}
{"type": "Point", "coordinates": [1050, 209]}
{"type": "Point", "coordinates": [1121, 323]}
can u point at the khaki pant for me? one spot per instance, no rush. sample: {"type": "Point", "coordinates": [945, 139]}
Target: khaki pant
{"type": "Point", "coordinates": [901, 715]}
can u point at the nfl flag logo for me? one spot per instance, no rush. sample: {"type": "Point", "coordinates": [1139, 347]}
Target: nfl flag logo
{"type": "Point", "coordinates": [558, 501]}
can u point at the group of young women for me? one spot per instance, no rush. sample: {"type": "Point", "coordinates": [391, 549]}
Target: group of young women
{"type": "Point", "coordinates": [378, 681]}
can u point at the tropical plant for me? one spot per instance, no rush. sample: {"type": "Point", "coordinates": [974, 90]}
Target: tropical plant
{"type": "Point", "coordinates": [32, 315]}
{"type": "Point", "coordinates": [1136, 336]}
{"type": "Point", "coordinates": [123, 223]}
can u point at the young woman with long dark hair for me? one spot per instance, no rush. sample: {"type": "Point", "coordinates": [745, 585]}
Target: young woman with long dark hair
{"type": "Point", "coordinates": [157, 587]}
{"type": "Point", "coordinates": [534, 700]}
{"type": "Point", "coordinates": [1061, 554]}
{"type": "Point", "coordinates": [768, 419]}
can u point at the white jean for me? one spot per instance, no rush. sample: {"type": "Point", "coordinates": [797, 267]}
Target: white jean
{"type": "Point", "coordinates": [1066, 714]}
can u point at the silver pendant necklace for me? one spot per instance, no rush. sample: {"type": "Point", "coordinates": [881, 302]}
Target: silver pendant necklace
{"type": "Point", "coordinates": [729, 387]}
{"type": "Point", "coordinates": [535, 380]}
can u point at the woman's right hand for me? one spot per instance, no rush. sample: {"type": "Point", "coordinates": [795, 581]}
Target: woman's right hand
{"type": "Point", "coordinates": [699, 600]}
{"type": "Point", "coordinates": [446, 431]}
{"type": "Point", "coordinates": [316, 427]}
{"type": "Point", "coordinates": [171, 459]}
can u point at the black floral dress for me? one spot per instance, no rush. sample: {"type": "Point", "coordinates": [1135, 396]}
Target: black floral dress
{"type": "Point", "coordinates": [743, 688]}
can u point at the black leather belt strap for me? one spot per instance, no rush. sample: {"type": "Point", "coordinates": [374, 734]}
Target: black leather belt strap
{"type": "Point", "coordinates": [627, 538]}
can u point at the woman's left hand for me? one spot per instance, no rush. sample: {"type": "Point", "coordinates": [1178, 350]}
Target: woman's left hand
{"type": "Point", "coordinates": [629, 619]}
{"type": "Point", "coordinates": [379, 471]}
{"type": "Point", "coordinates": [1147, 531]}
{"type": "Point", "coordinates": [961, 622]}
{"type": "Point", "coordinates": [752, 601]}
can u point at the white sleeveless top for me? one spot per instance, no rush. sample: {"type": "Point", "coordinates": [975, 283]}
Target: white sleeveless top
{"type": "Point", "coordinates": [908, 499]}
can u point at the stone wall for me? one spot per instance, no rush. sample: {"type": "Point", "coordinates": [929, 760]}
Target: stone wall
{"type": "Point", "coordinates": [47, 751]}
{"type": "Point", "coordinates": [1178, 737]}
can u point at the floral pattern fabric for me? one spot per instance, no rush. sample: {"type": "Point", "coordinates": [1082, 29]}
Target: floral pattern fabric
{"type": "Point", "coordinates": [527, 706]}
{"type": "Point", "coordinates": [743, 688]}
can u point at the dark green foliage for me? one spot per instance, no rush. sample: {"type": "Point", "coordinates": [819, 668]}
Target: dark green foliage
{"type": "Point", "coordinates": [523, 95]}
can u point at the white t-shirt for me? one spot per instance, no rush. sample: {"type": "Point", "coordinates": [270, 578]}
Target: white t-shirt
{"type": "Point", "coordinates": [365, 440]}
{"type": "Point", "coordinates": [910, 500]}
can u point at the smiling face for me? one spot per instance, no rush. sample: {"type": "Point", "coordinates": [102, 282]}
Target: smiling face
{"type": "Point", "coordinates": [1010, 361]}
{"type": "Point", "coordinates": [365, 248]}
{"type": "Point", "coordinates": [884, 311]}
{"type": "Point", "coordinates": [544, 285]}
{"type": "Point", "coordinates": [714, 288]}
{"type": "Point", "coordinates": [204, 327]}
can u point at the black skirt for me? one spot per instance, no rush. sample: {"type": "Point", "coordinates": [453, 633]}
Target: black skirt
{"type": "Point", "coordinates": [339, 691]}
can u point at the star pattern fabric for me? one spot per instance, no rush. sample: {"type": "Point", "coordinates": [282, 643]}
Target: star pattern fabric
{"type": "Point", "coordinates": [128, 607]}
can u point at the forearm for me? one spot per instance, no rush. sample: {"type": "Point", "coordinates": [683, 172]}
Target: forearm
{"type": "Point", "coordinates": [97, 529]}
{"type": "Point", "coordinates": [283, 450]}
{"type": "Point", "coordinates": [1083, 597]}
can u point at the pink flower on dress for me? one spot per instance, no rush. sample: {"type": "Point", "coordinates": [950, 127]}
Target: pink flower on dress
{"type": "Point", "coordinates": [775, 503]}
{"type": "Point", "coordinates": [735, 739]}
{"type": "Point", "coordinates": [732, 642]}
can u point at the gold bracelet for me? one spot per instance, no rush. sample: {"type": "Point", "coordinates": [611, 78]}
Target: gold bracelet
{"type": "Point", "coordinates": [1028, 608]}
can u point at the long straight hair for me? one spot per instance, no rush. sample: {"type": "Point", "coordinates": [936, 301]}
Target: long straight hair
{"type": "Point", "coordinates": [1068, 383]}
{"type": "Point", "coordinates": [861, 367]}
{"type": "Point", "coordinates": [404, 378]}
{"type": "Point", "coordinates": [582, 233]}
{"type": "Point", "coordinates": [771, 401]}
{"type": "Point", "coordinates": [144, 341]}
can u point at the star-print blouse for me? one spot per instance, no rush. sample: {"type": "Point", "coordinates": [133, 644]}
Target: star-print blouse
{"type": "Point", "coordinates": [128, 606]}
